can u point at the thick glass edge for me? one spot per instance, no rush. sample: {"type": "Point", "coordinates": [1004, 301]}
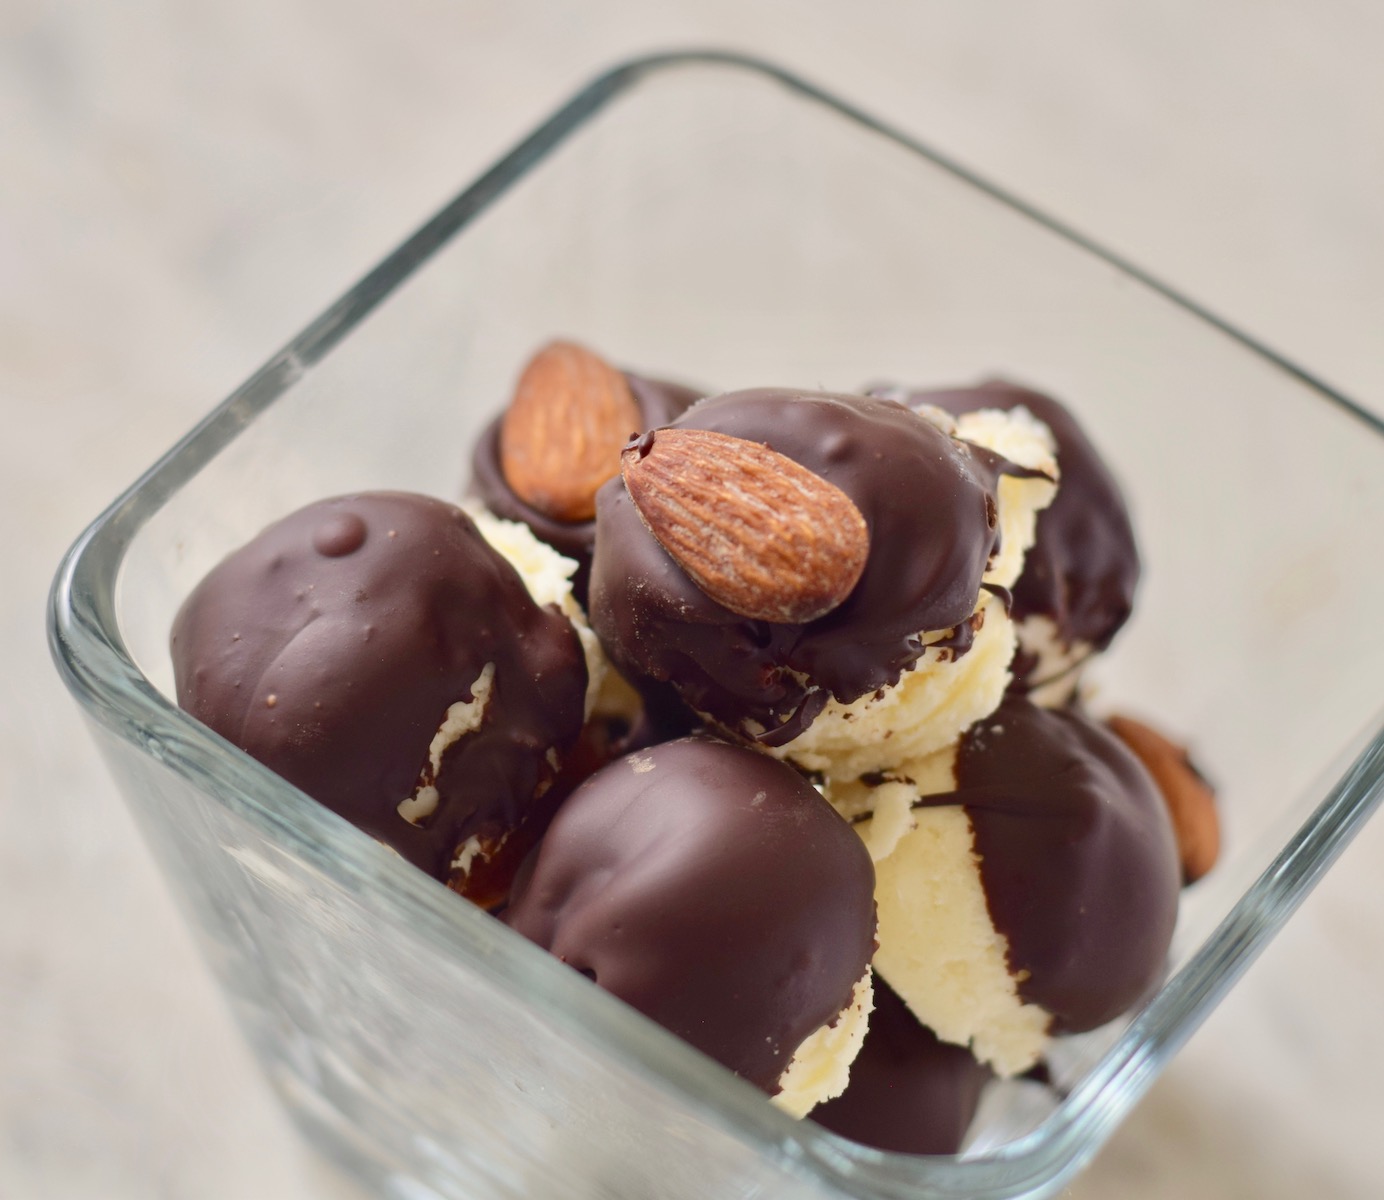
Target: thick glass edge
{"type": "Point", "coordinates": [90, 656]}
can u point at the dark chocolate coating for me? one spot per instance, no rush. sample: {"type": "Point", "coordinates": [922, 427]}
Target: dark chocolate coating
{"type": "Point", "coordinates": [909, 1093]}
{"type": "Point", "coordinates": [1078, 859]}
{"type": "Point", "coordinates": [1084, 566]}
{"type": "Point", "coordinates": [929, 504]}
{"type": "Point", "coordinates": [659, 403]}
{"type": "Point", "coordinates": [714, 890]}
{"type": "Point", "coordinates": [331, 646]}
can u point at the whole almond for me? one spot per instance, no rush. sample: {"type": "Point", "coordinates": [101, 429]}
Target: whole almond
{"type": "Point", "coordinates": [561, 438]}
{"type": "Point", "coordinates": [759, 533]}
{"type": "Point", "coordinates": [1191, 801]}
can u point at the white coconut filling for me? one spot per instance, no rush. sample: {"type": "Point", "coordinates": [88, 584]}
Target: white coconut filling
{"type": "Point", "coordinates": [890, 818]}
{"type": "Point", "coordinates": [463, 717]}
{"type": "Point", "coordinates": [548, 577]}
{"type": "Point", "coordinates": [1056, 671]}
{"type": "Point", "coordinates": [1025, 441]}
{"type": "Point", "coordinates": [939, 950]}
{"type": "Point", "coordinates": [1014, 433]}
{"type": "Point", "coordinates": [466, 855]}
{"type": "Point", "coordinates": [421, 805]}
{"type": "Point", "coordinates": [930, 706]}
{"type": "Point", "coordinates": [820, 1068]}
{"type": "Point", "coordinates": [882, 813]}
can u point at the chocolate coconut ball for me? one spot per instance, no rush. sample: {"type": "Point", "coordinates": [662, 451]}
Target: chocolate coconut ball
{"type": "Point", "coordinates": [376, 652]}
{"type": "Point", "coordinates": [715, 891]}
{"type": "Point", "coordinates": [1031, 886]}
{"type": "Point", "coordinates": [928, 502]}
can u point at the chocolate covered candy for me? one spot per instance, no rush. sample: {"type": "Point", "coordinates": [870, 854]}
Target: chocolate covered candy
{"type": "Point", "coordinates": [569, 417]}
{"type": "Point", "coordinates": [929, 504]}
{"type": "Point", "coordinates": [715, 891]}
{"type": "Point", "coordinates": [1028, 881]}
{"type": "Point", "coordinates": [1078, 583]}
{"type": "Point", "coordinates": [375, 651]}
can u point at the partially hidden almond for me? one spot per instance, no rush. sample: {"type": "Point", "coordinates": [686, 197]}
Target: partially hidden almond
{"type": "Point", "coordinates": [1190, 799]}
{"type": "Point", "coordinates": [759, 533]}
{"type": "Point", "coordinates": [561, 438]}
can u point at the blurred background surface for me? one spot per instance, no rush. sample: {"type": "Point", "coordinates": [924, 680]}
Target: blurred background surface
{"type": "Point", "coordinates": [187, 182]}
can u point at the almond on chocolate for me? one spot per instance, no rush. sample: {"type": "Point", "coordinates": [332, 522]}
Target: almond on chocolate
{"type": "Point", "coordinates": [561, 438]}
{"type": "Point", "coordinates": [758, 533]}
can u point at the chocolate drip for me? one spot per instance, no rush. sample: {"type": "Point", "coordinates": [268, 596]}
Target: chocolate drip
{"type": "Point", "coordinates": [1083, 569]}
{"type": "Point", "coordinates": [659, 403]}
{"type": "Point", "coordinates": [909, 1093]}
{"type": "Point", "coordinates": [1078, 859]}
{"type": "Point", "coordinates": [331, 646]}
{"type": "Point", "coordinates": [927, 499]}
{"type": "Point", "coordinates": [715, 891]}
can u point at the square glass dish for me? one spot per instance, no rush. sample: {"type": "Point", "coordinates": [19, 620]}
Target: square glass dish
{"type": "Point", "coordinates": [707, 217]}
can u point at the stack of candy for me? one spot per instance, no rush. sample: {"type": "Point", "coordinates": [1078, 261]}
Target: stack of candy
{"type": "Point", "coordinates": [762, 710]}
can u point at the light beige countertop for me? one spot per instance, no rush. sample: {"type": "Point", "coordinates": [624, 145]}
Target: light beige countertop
{"type": "Point", "coordinates": [183, 183]}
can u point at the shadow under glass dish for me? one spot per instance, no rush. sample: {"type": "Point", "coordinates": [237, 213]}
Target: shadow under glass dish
{"type": "Point", "coordinates": [711, 218]}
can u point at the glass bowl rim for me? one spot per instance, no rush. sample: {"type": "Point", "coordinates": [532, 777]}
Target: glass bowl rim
{"type": "Point", "coordinates": [91, 656]}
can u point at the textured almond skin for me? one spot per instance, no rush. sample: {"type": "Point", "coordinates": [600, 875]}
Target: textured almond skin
{"type": "Point", "coordinates": [561, 438]}
{"type": "Point", "coordinates": [1191, 801]}
{"type": "Point", "coordinates": [760, 534]}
